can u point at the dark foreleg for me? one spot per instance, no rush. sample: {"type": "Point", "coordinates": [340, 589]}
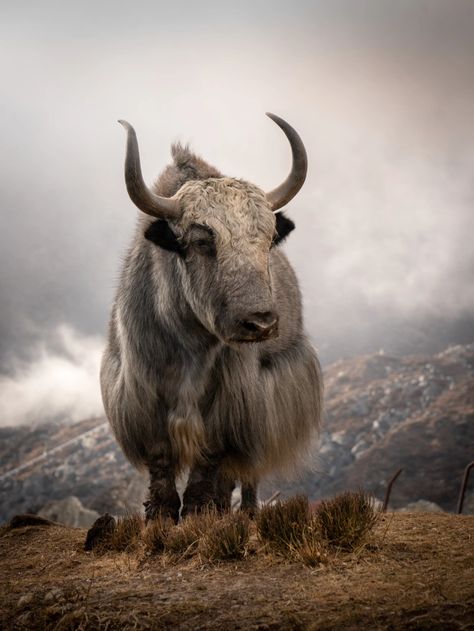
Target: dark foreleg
{"type": "Point", "coordinates": [249, 502]}
{"type": "Point", "coordinates": [224, 487]}
{"type": "Point", "coordinates": [163, 496]}
{"type": "Point", "coordinates": [207, 487]}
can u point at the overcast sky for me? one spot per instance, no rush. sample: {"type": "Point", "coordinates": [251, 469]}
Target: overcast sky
{"type": "Point", "coordinates": [382, 93]}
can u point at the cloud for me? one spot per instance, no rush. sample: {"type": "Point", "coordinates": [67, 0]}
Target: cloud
{"type": "Point", "coordinates": [380, 91]}
{"type": "Point", "coordinates": [61, 384]}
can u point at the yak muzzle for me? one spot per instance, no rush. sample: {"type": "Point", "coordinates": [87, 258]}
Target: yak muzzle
{"type": "Point", "coordinates": [256, 327]}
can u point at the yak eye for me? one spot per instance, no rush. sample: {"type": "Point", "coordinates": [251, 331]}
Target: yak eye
{"type": "Point", "coordinates": [201, 239]}
{"type": "Point", "coordinates": [202, 243]}
{"type": "Point", "coordinates": [204, 246]}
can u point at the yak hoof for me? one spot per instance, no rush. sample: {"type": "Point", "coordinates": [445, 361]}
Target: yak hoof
{"type": "Point", "coordinates": [197, 500]}
{"type": "Point", "coordinates": [251, 511]}
{"type": "Point", "coordinates": [192, 508]}
{"type": "Point", "coordinates": [154, 510]}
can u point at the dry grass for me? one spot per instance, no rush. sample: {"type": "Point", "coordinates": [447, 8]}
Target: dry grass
{"type": "Point", "coordinates": [156, 534]}
{"type": "Point", "coordinates": [127, 534]}
{"type": "Point", "coordinates": [227, 538]}
{"type": "Point", "coordinates": [343, 522]}
{"type": "Point", "coordinates": [309, 548]}
{"type": "Point", "coordinates": [346, 520]}
{"type": "Point", "coordinates": [418, 575]}
{"type": "Point", "coordinates": [183, 539]}
{"type": "Point", "coordinates": [282, 524]}
{"type": "Point", "coordinates": [216, 537]}
{"type": "Point", "coordinates": [286, 528]}
{"type": "Point", "coordinates": [290, 529]}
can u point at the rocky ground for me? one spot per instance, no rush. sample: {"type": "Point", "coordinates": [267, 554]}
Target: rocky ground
{"type": "Point", "coordinates": [385, 413]}
{"type": "Point", "coordinates": [382, 413]}
{"type": "Point", "coordinates": [415, 572]}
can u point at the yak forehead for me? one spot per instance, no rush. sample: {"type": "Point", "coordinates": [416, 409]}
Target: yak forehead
{"type": "Point", "coordinates": [235, 210]}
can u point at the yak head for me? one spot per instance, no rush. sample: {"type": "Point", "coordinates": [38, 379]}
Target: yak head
{"type": "Point", "coordinates": [221, 232]}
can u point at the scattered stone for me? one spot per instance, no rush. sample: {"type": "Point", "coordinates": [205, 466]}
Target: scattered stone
{"type": "Point", "coordinates": [27, 519]}
{"type": "Point", "coordinates": [53, 595]}
{"type": "Point", "coordinates": [100, 532]}
{"type": "Point", "coordinates": [26, 599]}
{"type": "Point", "coordinates": [70, 512]}
{"type": "Point", "coordinates": [421, 506]}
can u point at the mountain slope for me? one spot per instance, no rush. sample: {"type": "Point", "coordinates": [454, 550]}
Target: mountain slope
{"type": "Point", "coordinates": [381, 414]}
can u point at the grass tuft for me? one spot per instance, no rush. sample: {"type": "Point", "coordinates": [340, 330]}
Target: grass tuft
{"type": "Point", "coordinates": [127, 534]}
{"type": "Point", "coordinates": [227, 538]}
{"type": "Point", "coordinates": [347, 519]}
{"type": "Point", "coordinates": [282, 524]}
{"type": "Point", "coordinates": [184, 538]}
{"type": "Point", "coordinates": [310, 549]}
{"type": "Point", "coordinates": [156, 534]}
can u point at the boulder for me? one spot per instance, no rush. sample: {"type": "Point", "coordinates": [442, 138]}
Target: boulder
{"type": "Point", "coordinates": [70, 512]}
{"type": "Point", "coordinates": [421, 506]}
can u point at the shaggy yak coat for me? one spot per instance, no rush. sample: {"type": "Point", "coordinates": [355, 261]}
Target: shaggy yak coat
{"type": "Point", "coordinates": [178, 391]}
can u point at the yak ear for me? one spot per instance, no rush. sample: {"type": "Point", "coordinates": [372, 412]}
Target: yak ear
{"type": "Point", "coordinates": [283, 228]}
{"type": "Point", "coordinates": [160, 233]}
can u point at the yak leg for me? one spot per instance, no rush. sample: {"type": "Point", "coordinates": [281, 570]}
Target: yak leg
{"type": "Point", "coordinates": [163, 496]}
{"type": "Point", "coordinates": [249, 497]}
{"type": "Point", "coordinates": [224, 487]}
{"type": "Point", "coordinates": [208, 486]}
{"type": "Point", "coordinates": [201, 487]}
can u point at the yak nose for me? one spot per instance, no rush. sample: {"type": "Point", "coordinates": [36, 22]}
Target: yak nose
{"type": "Point", "coordinates": [259, 325]}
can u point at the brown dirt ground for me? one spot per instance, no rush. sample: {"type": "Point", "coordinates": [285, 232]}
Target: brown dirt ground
{"type": "Point", "coordinates": [417, 572]}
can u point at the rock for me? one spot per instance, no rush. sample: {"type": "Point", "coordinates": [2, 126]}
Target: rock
{"type": "Point", "coordinates": [25, 600]}
{"type": "Point", "coordinates": [20, 521]}
{"type": "Point", "coordinates": [382, 413]}
{"type": "Point", "coordinates": [100, 532]}
{"type": "Point", "coordinates": [53, 595]}
{"type": "Point", "coordinates": [411, 413]}
{"type": "Point", "coordinates": [69, 512]}
{"type": "Point", "coordinates": [136, 493]}
{"type": "Point", "coordinates": [421, 506]}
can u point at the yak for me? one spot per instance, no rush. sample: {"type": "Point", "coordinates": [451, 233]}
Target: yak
{"type": "Point", "coordinates": [207, 367]}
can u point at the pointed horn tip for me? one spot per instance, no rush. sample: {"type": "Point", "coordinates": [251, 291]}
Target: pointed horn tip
{"type": "Point", "coordinates": [275, 118]}
{"type": "Point", "coordinates": [124, 123]}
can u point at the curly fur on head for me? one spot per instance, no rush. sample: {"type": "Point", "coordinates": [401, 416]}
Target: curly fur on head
{"type": "Point", "coordinates": [187, 166]}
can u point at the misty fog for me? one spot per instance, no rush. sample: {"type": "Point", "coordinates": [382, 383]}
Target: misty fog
{"type": "Point", "coordinates": [382, 94]}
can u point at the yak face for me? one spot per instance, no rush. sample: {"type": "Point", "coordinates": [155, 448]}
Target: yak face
{"type": "Point", "coordinates": [221, 231]}
{"type": "Point", "coordinates": [222, 242]}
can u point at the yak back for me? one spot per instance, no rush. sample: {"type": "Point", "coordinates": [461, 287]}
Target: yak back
{"type": "Point", "coordinates": [186, 166]}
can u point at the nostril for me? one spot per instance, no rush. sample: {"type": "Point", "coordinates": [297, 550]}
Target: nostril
{"type": "Point", "coordinates": [265, 317]}
{"type": "Point", "coordinates": [251, 326]}
{"type": "Point", "coordinates": [260, 321]}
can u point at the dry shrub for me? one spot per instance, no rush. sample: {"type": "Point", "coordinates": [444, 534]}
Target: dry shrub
{"type": "Point", "coordinates": [282, 525]}
{"type": "Point", "coordinates": [156, 534]}
{"type": "Point", "coordinates": [227, 538]}
{"type": "Point", "coordinates": [184, 538]}
{"type": "Point", "coordinates": [347, 519]}
{"type": "Point", "coordinates": [127, 533]}
{"type": "Point", "coordinates": [309, 549]}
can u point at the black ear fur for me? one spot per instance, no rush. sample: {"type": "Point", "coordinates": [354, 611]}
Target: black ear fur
{"type": "Point", "coordinates": [161, 234]}
{"type": "Point", "coordinates": [283, 228]}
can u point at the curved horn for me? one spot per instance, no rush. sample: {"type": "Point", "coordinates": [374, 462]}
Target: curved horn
{"type": "Point", "coordinates": [140, 194]}
{"type": "Point", "coordinates": [295, 180]}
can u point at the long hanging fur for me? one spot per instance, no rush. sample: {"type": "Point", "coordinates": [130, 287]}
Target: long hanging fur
{"type": "Point", "coordinates": [166, 377]}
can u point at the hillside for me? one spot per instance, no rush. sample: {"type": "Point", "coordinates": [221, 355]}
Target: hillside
{"type": "Point", "coordinates": [385, 413]}
{"type": "Point", "coordinates": [417, 572]}
{"type": "Point", "coordinates": [382, 413]}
